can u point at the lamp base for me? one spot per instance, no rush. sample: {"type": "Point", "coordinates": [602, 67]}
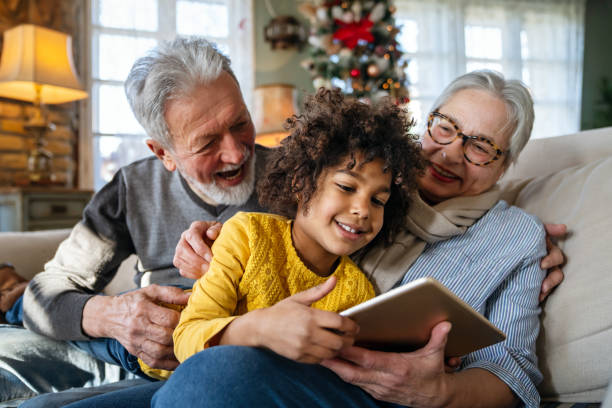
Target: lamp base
{"type": "Point", "coordinates": [39, 160]}
{"type": "Point", "coordinates": [39, 166]}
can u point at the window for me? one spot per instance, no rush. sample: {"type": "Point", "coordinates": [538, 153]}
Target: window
{"type": "Point", "coordinates": [122, 31]}
{"type": "Point", "coordinates": [537, 41]}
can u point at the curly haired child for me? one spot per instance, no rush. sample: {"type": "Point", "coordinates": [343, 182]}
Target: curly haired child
{"type": "Point", "coordinates": [341, 180]}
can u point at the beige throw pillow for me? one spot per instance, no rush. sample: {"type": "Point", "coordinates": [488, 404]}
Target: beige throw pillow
{"type": "Point", "coordinates": [575, 342]}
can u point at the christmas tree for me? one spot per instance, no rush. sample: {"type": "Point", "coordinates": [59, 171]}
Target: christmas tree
{"type": "Point", "coordinates": [352, 46]}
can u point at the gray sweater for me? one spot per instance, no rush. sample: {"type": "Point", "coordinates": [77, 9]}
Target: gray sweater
{"type": "Point", "coordinates": [142, 211]}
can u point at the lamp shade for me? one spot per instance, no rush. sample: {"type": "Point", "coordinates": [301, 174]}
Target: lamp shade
{"type": "Point", "coordinates": [273, 104]}
{"type": "Point", "coordinates": [34, 56]}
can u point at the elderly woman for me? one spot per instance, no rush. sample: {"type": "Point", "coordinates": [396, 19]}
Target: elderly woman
{"type": "Point", "coordinates": [458, 231]}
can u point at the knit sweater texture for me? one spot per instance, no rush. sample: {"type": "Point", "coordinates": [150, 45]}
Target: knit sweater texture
{"type": "Point", "coordinates": [255, 265]}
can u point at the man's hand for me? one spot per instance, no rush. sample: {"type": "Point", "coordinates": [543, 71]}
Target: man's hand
{"type": "Point", "coordinates": [138, 322]}
{"type": "Point", "coordinates": [293, 329]}
{"type": "Point", "coordinates": [553, 261]}
{"type": "Point", "coordinates": [192, 256]}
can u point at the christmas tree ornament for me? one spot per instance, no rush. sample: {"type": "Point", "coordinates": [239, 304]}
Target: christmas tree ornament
{"type": "Point", "coordinates": [355, 72]}
{"type": "Point", "coordinates": [336, 12]}
{"type": "Point", "coordinates": [373, 70]}
{"type": "Point", "coordinates": [377, 13]}
{"type": "Point", "coordinates": [321, 15]}
{"type": "Point", "coordinates": [356, 9]}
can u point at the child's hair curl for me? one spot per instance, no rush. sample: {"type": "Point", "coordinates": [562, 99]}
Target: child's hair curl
{"type": "Point", "coordinates": [330, 129]}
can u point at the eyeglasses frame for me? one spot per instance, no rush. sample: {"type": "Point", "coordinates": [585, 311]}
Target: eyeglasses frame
{"type": "Point", "coordinates": [498, 152]}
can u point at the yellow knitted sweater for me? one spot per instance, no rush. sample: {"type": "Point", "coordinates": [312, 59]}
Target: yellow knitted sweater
{"type": "Point", "coordinates": [255, 265]}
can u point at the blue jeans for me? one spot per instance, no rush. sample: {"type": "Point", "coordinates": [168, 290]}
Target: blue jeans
{"type": "Point", "coordinates": [234, 376]}
{"type": "Point", "coordinates": [15, 314]}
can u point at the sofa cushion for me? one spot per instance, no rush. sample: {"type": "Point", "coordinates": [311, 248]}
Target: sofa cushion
{"type": "Point", "coordinates": [576, 334]}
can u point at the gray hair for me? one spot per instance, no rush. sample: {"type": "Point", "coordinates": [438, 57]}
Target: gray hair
{"type": "Point", "coordinates": [171, 70]}
{"type": "Point", "coordinates": [512, 92]}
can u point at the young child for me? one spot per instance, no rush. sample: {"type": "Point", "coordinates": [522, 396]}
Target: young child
{"type": "Point", "coordinates": [341, 180]}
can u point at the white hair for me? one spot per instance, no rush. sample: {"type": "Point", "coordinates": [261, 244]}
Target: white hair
{"type": "Point", "coordinates": [171, 70]}
{"type": "Point", "coordinates": [512, 92]}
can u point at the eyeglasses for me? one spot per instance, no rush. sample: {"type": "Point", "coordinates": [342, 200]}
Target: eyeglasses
{"type": "Point", "coordinates": [477, 150]}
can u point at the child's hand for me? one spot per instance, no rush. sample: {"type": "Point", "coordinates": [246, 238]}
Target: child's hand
{"type": "Point", "coordinates": [297, 331]}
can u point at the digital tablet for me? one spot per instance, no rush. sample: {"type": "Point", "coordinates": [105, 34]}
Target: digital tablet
{"type": "Point", "coordinates": [402, 319]}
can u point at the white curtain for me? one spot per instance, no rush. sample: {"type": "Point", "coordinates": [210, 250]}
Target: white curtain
{"type": "Point", "coordinates": [119, 32]}
{"type": "Point", "coordinates": [537, 41]}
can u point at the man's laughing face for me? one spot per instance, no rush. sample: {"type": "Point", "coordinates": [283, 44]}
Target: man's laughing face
{"type": "Point", "coordinates": [213, 142]}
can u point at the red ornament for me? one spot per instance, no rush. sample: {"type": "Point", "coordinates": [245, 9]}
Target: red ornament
{"type": "Point", "coordinates": [354, 72]}
{"type": "Point", "coordinates": [351, 33]}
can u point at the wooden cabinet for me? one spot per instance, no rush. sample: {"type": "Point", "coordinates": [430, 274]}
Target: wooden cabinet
{"type": "Point", "coordinates": [32, 208]}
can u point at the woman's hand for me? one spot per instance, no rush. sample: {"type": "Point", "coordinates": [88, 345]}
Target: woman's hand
{"type": "Point", "coordinates": [293, 329]}
{"type": "Point", "coordinates": [553, 261]}
{"type": "Point", "coordinates": [193, 255]}
{"type": "Point", "coordinates": [415, 379]}
{"type": "Point", "coordinates": [420, 378]}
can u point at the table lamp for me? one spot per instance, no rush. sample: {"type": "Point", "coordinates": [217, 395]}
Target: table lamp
{"type": "Point", "coordinates": [37, 66]}
{"type": "Point", "coordinates": [273, 104]}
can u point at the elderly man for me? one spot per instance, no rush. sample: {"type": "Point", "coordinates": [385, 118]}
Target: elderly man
{"type": "Point", "coordinates": [188, 100]}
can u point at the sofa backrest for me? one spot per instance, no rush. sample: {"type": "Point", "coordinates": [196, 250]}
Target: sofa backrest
{"type": "Point", "coordinates": [576, 334]}
{"type": "Point", "coordinates": [546, 156]}
{"type": "Point", "coordinates": [29, 251]}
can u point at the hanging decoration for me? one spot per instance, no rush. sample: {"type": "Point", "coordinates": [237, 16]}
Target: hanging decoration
{"type": "Point", "coordinates": [352, 46]}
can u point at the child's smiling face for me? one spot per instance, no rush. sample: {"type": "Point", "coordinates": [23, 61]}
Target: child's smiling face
{"type": "Point", "coordinates": [345, 213]}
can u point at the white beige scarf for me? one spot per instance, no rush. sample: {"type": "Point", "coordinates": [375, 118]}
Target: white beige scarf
{"type": "Point", "coordinates": [424, 224]}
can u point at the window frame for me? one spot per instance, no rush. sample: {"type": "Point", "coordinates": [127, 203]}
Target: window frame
{"type": "Point", "coordinates": [245, 60]}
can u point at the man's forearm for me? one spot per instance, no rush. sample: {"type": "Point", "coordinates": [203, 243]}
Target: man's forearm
{"type": "Point", "coordinates": [55, 298]}
{"type": "Point", "coordinates": [58, 316]}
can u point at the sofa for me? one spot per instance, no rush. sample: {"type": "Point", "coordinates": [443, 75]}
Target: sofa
{"type": "Point", "coordinates": [564, 179]}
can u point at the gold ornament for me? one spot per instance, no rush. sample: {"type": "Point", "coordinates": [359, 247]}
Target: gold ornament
{"type": "Point", "coordinates": [357, 86]}
{"type": "Point", "coordinates": [373, 70]}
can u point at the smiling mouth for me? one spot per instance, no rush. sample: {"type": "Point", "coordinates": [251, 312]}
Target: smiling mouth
{"type": "Point", "coordinates": [445, 174]}
{"type": "Point", "coordinates": [231, 174]}
{"type": "Point", "coordinates": [348, 228]}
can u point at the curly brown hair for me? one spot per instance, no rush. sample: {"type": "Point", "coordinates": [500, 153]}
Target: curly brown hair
{"type": "Point", "coordinates": [330, 129]}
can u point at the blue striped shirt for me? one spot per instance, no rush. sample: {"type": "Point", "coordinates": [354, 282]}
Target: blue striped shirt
{"type": "Point", "coordinates": [494, 267]}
